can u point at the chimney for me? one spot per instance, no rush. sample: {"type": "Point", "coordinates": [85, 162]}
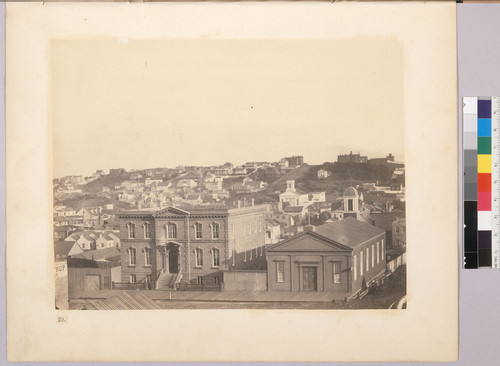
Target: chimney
{"type": "Point", "coordinates": [309, 228]}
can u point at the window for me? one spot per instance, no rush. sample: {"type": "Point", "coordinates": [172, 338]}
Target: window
{"type": "Point", "coordinates": [378, 252]}
{"type": "Point", "coordinates": [355, 268]}
{"type": "Point", "coordinates": [336, 272]}
{"type": "Point", "coordinates": [361, 263]}
{"type": "Point", "coordinates": [280, 271]}
{"type": "Point", "coordinates": [367, 259]}
{"type": "Point", "coordinates": [215, 257]}
{"type": "Point", "coordinates": [215, 230]}
{"type": "Point", "coordinates": [102, 245]}
{"type": "Point", "coordinates": [131, 230]}
{"type": "Point", "coordinates": [199, 257]}
{"type": "Point", "coordinates": [199, 280]}
{"type": "Point", "coordinates": [397, 229]}
{"type": "Point", "coordinates": [83, 245]}
{"type": "Point", "coordinates": [197, 231]}
{"type": "Point", "coordinates": [131, 256]}
{"type": "Point", "coordinates": [171, 230]}
{"type": "Point", "coordinates": [217, 280]}
{"type": "Point", "coordinates": [373, 255]}
{"type": "Point", "coordinates": [349, 205]}
{"type": "Point", "coordinates": [147, 256]}
{"type": "Point", "coordinates": [147, 232]}
{"type": "Point", "coordinates": [133, 279]}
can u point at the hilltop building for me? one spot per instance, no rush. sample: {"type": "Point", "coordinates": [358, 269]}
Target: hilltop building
{"type": "Point", "coordinates": [352, 158]}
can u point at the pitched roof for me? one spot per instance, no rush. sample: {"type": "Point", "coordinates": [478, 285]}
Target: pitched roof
{"type": "Point", "coordinates": [63, 247]}
{"type": "Point", "coordinates": [125, 300]}
{"type": "Point", "coordinates": [100, 254]}
{"type": "Point", "coordinates": [293, 209]}
{"type": "Point", "coordinates": [350, 232]}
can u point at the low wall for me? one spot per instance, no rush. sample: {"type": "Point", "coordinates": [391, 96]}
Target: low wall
{"type": "Point", "coordinates": [245, 280]}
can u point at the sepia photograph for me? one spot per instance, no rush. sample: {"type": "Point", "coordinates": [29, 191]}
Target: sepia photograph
{"type": "Point", "coordinates": [249, 171]}
{"type": "Point", "coordinates": [228, 174]}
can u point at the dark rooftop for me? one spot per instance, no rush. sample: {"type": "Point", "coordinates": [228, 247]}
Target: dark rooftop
{"type": "Point", "coordinates": [350, 232]}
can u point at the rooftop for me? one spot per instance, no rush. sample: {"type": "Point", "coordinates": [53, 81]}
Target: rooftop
{"type": "Point", "coordinates": [349, 232]}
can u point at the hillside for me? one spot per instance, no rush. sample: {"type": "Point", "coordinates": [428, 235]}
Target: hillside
{"type": "Point", "coordinates": [342, 175]}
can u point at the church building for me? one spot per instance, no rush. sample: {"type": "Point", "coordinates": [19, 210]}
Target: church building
{"type": "Point", "coordinates": [340, 257]}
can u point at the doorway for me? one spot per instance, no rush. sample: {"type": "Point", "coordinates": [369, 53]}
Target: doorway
{"type": "Point", "coordinates": [173, 260]}
{"type": "Point", "coordinates": [310, 279]}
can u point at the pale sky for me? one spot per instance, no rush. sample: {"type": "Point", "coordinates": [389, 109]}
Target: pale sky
{"type": "Point", "coordinates": [146, 104]}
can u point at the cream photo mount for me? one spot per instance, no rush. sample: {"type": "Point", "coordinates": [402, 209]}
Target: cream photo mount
{"type": "Point", "coordinates": [426, 331]}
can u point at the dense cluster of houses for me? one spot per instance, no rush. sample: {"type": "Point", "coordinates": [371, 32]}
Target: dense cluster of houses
{"type": "Point", "coordinates": [185, 232]}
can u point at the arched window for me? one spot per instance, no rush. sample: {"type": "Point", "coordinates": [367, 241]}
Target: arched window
{"type": "Point", "coordinates": [132, 256]}
{"type": "Point", "coordinates": [215, 230]}
{"type": "Point", "coordinates": [171, 229]}
{"type": "Point", "coordinates": [147, 230]}
{"type": "Point", "coordinates": [131, 230]}
{"type": "Point", "coordinates": [215, 257]}
{"type": "Point", "coordinates": [147, 256]}
{"type": "Point", "coordinates": [199, 257]}
{"type": "Point", "coordinates": [197, 230]}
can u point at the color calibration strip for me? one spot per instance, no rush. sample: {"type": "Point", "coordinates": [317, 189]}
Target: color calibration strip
{"type": "Point", "coordinates": [481, 192]}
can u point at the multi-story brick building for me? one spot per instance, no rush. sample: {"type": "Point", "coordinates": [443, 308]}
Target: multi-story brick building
{"type": "Point", "coordinates": [188, 245]}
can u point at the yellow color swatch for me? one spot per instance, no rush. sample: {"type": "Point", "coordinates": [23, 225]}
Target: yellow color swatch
{"type": "Point", "coordinates": [484, 163]}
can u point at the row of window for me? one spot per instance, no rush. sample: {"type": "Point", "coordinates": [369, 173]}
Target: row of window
{"type": "Point", "coordinates": [336, 272]}
{"type": "Point", "coordinates": [375, 253]}
{"type": "Point", "coordinates": [199, 257]}
{"type": "Point", "coordinates": [171, 230]}
{"type": "Point", "coordinates": [132, 256]}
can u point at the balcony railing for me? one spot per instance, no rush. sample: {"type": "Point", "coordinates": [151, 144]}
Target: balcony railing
{"type": "Point", "coordinates": [199, 287]}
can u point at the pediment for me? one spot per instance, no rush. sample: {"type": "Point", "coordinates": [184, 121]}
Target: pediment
{"type": "Point", "coordinates": [309, 242]}
{"type": "Point", "coordinates": [171, 211]}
